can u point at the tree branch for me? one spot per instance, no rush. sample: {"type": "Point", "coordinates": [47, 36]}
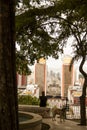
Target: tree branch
{"type": "Point", "coordinates": [81, 66]}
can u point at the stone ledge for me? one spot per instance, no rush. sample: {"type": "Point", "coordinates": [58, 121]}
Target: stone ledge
{"type": "Point", "coordinates": [31, 124]}
{"type": "Point", "coordinates": [43, 111]}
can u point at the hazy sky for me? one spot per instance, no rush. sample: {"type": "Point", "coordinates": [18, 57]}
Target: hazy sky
{"type": "Point", "coordinates": [56, 63]}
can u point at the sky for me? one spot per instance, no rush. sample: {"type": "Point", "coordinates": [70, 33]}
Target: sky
{"type": "Point", "coordinates": [56, 63]}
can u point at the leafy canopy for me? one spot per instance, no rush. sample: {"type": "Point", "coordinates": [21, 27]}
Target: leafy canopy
{"type": "Point", "coordinates": [43, 28]}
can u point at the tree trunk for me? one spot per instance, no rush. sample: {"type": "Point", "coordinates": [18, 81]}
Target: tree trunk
{"type": "Point", "coordinates": [8, 87]}
{"type": "Point", "coordinates": [83, 97]}
{"type": "Point", "coordinates": [82, 110]}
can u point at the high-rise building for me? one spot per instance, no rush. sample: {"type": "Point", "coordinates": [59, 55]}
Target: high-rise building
{"type": "Point", "coordinates": [67, 76]}
{"type": "Point", "coordinates": [40, 75]}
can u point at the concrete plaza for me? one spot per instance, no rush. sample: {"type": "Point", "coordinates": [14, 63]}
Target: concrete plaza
{"type": "Point", "coordinates": [67, 125]}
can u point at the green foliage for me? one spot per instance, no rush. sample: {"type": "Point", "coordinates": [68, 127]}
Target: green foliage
{"type": "Point", "coordinates": [35, 101]}
{"type": "Point", "coordinates": [22, 64]}
{"type": "Point", "coordinates": [32, 36]}
{"type": "Point", "coordinates": [43, 31]}
{"type": "Point", "coordinates": [28, 100]}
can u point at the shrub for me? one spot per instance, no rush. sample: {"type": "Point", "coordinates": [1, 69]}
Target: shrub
{"type": "Point", "coordinates": [28, 100]}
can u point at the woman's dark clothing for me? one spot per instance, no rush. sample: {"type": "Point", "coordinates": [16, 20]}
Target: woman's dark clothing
{"type": "Point", "coordinates": [43, 101]}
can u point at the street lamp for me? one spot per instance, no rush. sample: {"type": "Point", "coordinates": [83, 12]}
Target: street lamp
{"type": "Point", "coordinates": [67, 106]}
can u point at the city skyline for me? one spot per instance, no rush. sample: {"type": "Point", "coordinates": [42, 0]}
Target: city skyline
{"type": "Point", "coordinates": [56, 64]}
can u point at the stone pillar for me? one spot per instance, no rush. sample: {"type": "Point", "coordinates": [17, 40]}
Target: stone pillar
{"type": "Point", "coordinates": [24, 80]}
{"type": "Point", "coordinates": [19, 80]}
{"type": "Point", "coordinates": [40, 76]}
{"type": "Point", "coordinates": [67, 76]}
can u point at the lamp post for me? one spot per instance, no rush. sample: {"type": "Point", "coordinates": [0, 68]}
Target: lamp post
{"type": "Point", "coordinates": [66, 105]}
{"type": "Point", "coordinates": [66, 101]}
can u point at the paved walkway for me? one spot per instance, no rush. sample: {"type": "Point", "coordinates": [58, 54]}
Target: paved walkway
{"type": "Point", "coordinates": [67, 125]}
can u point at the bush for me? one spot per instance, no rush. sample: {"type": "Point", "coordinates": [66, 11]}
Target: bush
{"type": "Point", "coordinates": [28, 100]}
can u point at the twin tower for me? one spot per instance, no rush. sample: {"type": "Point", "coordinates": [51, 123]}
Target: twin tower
{"type": "Point", "coordinates": [67, 76]}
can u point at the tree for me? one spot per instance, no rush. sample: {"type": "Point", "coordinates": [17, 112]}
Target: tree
{"type": "Point", "coordinates": [8, 87]}
{"type": "Point", "coordinates": [65, 18]}
{"type": "Point", "coordinates": [74, 23]}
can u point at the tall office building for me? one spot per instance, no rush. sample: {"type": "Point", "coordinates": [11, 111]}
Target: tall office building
{"type": "Point", "coordinates": [40, 75]}
{"type": "Point", "coordinates": [67, 76]}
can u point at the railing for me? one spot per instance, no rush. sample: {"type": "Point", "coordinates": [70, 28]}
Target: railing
{"type": "Point", "coordinates": [75, 108]}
